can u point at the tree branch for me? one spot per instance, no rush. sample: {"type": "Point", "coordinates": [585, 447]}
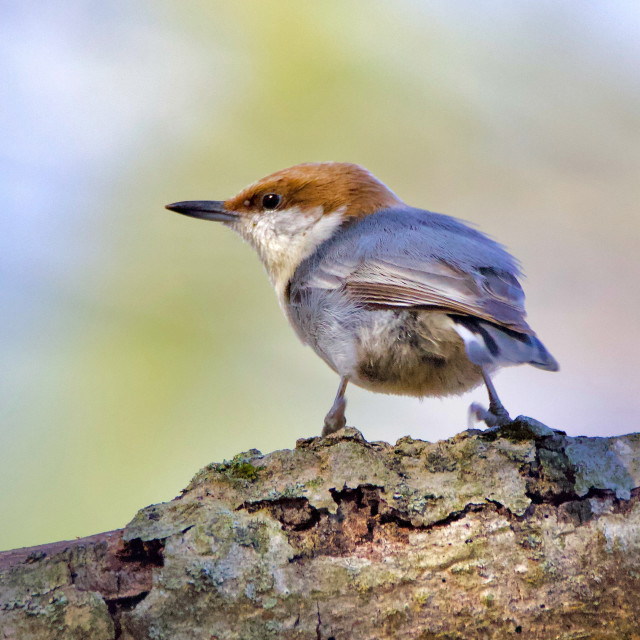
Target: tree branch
{"type": "Point", "coordinates": [488, 534]}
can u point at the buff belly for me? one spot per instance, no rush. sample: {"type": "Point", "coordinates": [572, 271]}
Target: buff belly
{"type": "Point", "coordinates": [401, 351]}
{"type": "Point", "coordinates": [411, 352]}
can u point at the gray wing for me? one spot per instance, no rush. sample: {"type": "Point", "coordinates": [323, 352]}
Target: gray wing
{"type": "Point", "coordinates": [414, 258]}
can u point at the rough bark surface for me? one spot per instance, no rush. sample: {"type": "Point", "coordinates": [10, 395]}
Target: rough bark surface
{"type": "Point", "coordinates": [492, 534]}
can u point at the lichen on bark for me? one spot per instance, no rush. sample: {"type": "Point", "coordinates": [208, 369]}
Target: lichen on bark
{"type": "Point", "coordinates": [485, 535]}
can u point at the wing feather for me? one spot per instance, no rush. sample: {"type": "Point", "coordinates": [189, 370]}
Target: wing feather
{"type": "Point", "coordinates": [405, 271]}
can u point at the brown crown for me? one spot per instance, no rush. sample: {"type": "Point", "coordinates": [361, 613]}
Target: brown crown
{"type": "Point", "coordinates": [331, 185]}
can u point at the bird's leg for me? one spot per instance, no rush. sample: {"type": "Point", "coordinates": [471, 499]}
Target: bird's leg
{"type": "Point", "coordinates": [335, 420]}
{"type": "Point", "coordinates": [496, 415]}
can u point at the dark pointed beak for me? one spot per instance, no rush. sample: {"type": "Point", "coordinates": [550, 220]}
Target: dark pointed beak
{"type": "Point", "coordinates": [205, 209]}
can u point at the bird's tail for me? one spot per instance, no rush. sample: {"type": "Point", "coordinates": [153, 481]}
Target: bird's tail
{"type": "Point", "coordinates": [491, 344]}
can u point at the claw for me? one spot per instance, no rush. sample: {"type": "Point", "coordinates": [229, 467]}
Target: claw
{"type": "Point", "coordinates": [474, 415]}
{"type": "Point", "coordinates": [333, 423]}
{"type": "Point", "coordinates": [496, 418]}
{"type": "Point", "coordinates": [335, 420]}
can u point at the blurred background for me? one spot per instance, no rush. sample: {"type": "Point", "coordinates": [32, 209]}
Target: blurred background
{"type": "Point", "coordinates": [138, 345]}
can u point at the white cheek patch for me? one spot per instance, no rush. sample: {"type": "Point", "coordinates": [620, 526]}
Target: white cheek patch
{"type": "Point", "coordinates": [283, 239]}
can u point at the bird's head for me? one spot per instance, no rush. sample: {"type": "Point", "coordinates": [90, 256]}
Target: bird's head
{"type": "Point", "coordinates": [286, 215]}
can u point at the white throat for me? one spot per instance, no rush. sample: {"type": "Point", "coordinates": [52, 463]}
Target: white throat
{"type": "Point", "coordinates": [283, 239]}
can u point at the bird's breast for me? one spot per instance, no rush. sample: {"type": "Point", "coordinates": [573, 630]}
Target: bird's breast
{"type": "Point", "coordinates": [400, 351]}
{"type": "Point", "coordinates": [284, 239]}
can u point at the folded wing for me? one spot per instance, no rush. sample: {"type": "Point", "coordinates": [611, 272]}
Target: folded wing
{"type": "Point", "coordinates": [419, 259]}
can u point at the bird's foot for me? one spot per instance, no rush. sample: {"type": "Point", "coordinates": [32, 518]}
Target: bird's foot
{"type": "Point", "coordinates": [335, 420]}
{"type": "Point", "coordinates": [493, 417]}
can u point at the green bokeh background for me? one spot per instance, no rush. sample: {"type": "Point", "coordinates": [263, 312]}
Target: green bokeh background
{"type": "Point", "coordinates": [139, 345]}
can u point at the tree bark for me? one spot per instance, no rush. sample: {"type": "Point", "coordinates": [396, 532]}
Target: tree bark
{"type": "Point", "coordinates": [520, 530]}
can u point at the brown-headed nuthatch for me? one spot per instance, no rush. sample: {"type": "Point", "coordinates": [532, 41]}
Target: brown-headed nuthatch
{"type": "Point", "coordinates": [394, 299]}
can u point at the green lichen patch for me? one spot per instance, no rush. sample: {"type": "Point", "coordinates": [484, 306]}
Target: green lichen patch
{"type": "Point", "coordinates": [240, 467]}
{"type": "Point", "coordinates": [64, 613]}
{"type": "Point", "coordinates": [20, 584]}
{"type": "Point", "coordinates": [242, 470]}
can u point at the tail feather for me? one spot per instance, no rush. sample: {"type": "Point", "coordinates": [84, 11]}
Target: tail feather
{"type": "Point", "coordinates": [491, 344]}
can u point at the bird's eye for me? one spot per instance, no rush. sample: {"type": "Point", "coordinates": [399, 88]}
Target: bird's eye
{"type": "Point", "coordinates": [271, 201]}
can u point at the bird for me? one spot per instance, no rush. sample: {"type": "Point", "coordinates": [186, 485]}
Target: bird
{"type": "Point", "coordinates": [395, 299]}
